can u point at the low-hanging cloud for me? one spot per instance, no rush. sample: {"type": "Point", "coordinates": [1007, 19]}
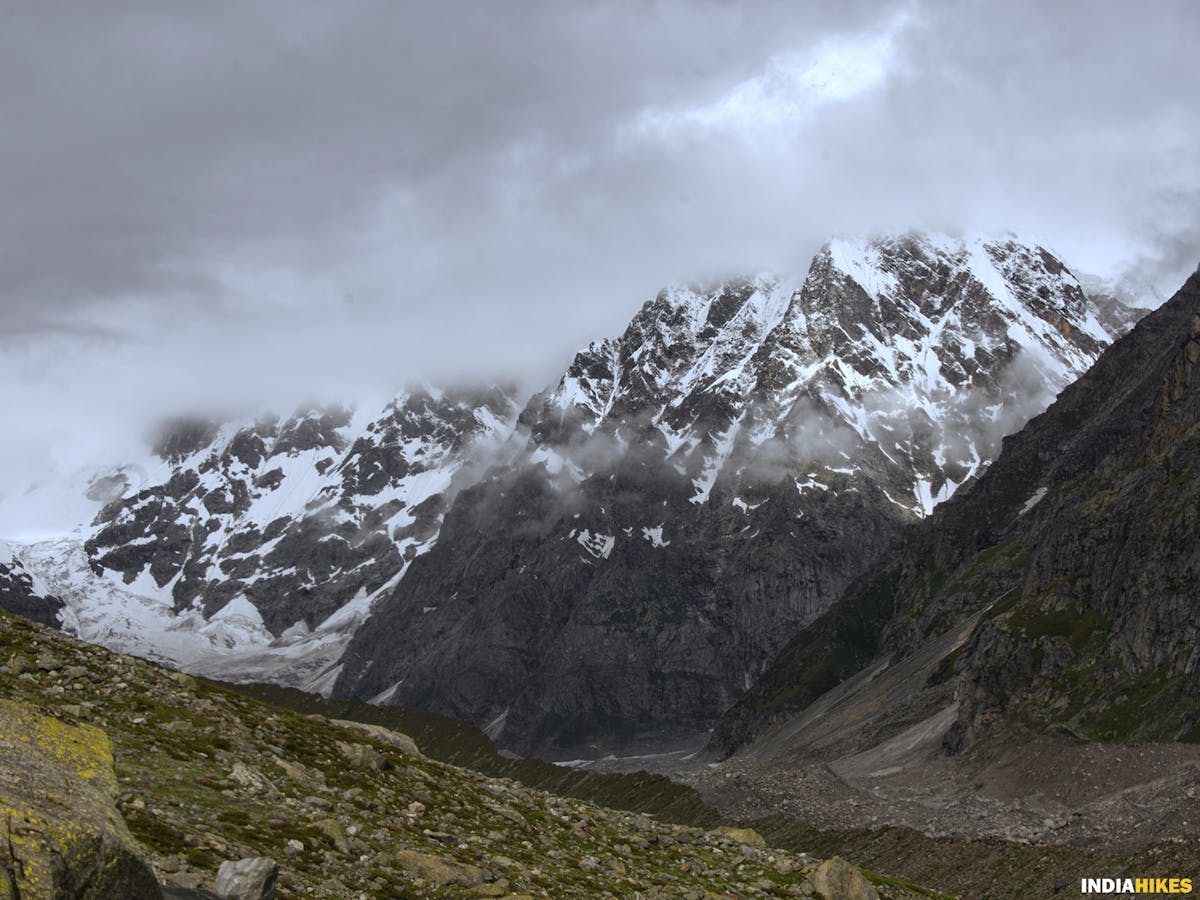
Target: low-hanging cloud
{"type": "Point", "coordinates": [266, 202]}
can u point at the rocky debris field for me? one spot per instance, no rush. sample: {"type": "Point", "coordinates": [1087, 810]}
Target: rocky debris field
{"type": "Point", "coordinates": [1026, 822]}
{"type": "Point", "coordinates": [205, 777]}
{"type": "Point", "coordinates": [1023, 796]}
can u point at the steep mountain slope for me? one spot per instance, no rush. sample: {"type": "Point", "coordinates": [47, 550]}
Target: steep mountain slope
{"type": "Point", "coordinates": [1059, 592]}
{"type": "Point", "coordinates": [699, 488]}
{"type": "Point", "coordinates": [255, 550]}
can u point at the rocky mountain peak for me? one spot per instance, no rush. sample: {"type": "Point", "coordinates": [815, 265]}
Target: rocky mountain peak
{"type": "Point", "coordinates": [712, 478]}
{"type": "Point", "coordinates": [246, 546]}
{"type": "Point", "coordinates": [920, 349]}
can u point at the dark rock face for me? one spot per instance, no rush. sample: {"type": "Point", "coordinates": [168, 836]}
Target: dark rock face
{"type": "Point", "coordinates": [698, 489]}
{"type": "Point", "coordinates": [302, 516]}
{"type": "Point", "coordinates": [19, 594]}
{"type": "Point", "coordinates": [566, 643]}
{"type": "Point", "coordinates": [1077, 547]}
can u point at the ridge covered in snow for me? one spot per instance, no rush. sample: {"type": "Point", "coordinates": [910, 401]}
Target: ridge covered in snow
{"type": "Point", "coordinates": [255, 550]}
{"type": "Point", "coordinates": [919, 352]}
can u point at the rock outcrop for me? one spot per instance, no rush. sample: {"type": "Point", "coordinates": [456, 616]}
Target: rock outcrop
{"type": "Point", "coordinates": [247, 879]}
{"type": "Point", "coordinates": [836, 879]}
{"type": "Point", "coordinates": [61, 837]}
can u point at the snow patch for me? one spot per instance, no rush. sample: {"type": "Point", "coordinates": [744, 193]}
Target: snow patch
{"type": "Point", "coordinates": [654, 536]}
{"type": "Point", "coordinates": [1034, 499]}
{"type": "Point", "coordinates": [863, 262]}
{"type": "Point", "coordinates": [598, 545]}
{"type": "Point", "coordinates": [385, 695]}
{"type": "Point", "coordinates": [810, 484]}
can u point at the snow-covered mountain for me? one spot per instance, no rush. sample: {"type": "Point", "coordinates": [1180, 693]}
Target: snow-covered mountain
{"type": "Point", "coordinates": [623, 557]}
{"type": "Point", "coordinates": [254, 550]}
{"type": "Point", "coordinates": [918, 351]}
{"type": "Point", "coordinates": [698, 488]}
{"type": "Point", "coordinates": [1055, 595]}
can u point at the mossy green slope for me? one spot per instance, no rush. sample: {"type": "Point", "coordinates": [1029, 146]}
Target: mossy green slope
{"type": "Point", "coordinates": [205, 774]}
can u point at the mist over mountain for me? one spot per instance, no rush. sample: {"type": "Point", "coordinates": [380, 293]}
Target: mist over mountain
{"type": "Point", "coordinates": [711, 480]}
{"type": "Point", "coordinates": [254, 208]}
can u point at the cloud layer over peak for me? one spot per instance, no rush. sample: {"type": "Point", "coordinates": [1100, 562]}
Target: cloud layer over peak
{"type": "Point", "coordinates": [269, 200]}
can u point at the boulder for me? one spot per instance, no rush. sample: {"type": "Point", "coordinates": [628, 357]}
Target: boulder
{"type": "Point", "coordinates": [247, 879]}
{"type": "Point", "coordinates": [60, 833]}
{"type": "Point", "coordinates": [747, 836]}
{"type": "Point", "coordinates": [836, 879]}
{"type": "Point", "coordinates": [333, 830]}
{"type": "Point", "coordinates": [438, 869]}
{"type": "Point", "coordinates": [362, 756]}
{"type": "Point", "coordinates": [251, 779]}
{"type": "Point", "coordinates": [396, 739]}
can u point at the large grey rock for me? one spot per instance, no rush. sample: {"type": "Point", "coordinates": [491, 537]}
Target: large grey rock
{"type": "Point", "coordinates": [61, 837]}
{"type": "Point", "coordinates": [439, 870]}
{"type": "Point", "coordinates": [247, 879]}
{"type": "Point", "coordinates": [836, 879]}
{"type": "Point", "coordinates": [395, 739]}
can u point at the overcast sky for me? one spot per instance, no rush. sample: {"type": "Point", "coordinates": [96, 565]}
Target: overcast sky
{"type": "Point", "coordinates": [201, 200]}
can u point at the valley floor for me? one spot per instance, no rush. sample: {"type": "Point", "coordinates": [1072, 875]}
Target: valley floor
{"type": "Point", "coordinates": [1020, 815]}
{"type": "Point", "coordinates": [1023, 821]}
{"type": "Point", "coordinates": [1046, 792]}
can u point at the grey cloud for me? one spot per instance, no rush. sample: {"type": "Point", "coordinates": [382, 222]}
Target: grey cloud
{"type": "Point", "coordinates": [270, 199]}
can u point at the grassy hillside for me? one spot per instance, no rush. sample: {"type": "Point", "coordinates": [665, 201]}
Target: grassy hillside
{"type": "Point", "coordinates": [207, 774]}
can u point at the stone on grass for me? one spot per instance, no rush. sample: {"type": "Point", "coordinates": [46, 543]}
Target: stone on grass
{"type": "Point", "coordinates": [247, 879]}
{"type": "Point", "coordinates": [836, 879]}
{"type": "Point", "coordinates": [439, 869]}
{"type": "Point", "coordinates": [397, 739]}
{"type": "Point", "coordinates": [747, 836]}
{"type": "Point", "coordinates": [362, 756]}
